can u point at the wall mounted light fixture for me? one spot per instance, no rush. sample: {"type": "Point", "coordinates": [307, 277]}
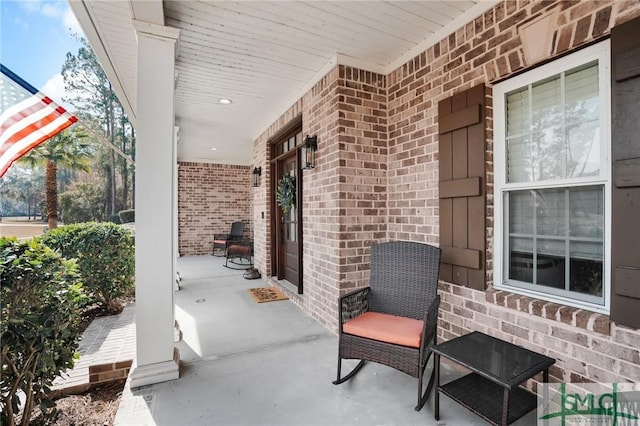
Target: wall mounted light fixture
{"type": "Point", "coordinates": [255, 176]}
{"type": "Point", "coordinates": [309, 152]}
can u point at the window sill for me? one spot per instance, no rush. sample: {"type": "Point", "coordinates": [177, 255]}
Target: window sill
{"type": "Point", "coordinates": [576, 317]}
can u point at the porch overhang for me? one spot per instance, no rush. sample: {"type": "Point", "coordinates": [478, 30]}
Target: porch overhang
{"type": "Point", "coordinates": [261, 55]}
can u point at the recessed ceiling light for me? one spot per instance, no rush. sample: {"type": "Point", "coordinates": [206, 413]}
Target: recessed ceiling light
{"type": "Point", "coordinates": [214, 149]}
{"type": "Point", "coordinates": [225, 101]}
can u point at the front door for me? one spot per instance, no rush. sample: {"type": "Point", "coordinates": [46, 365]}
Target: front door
{"type": "Point", "coordinates": [286, 234]}
{"type": "Point", "coordinates": [289, 232]}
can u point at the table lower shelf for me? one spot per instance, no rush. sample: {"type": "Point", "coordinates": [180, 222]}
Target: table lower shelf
{"type": "Point", "coordinates": [485, 397]}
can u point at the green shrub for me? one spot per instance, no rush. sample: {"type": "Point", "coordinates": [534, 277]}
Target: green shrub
{"type": "Point", "coordinates": [83, 203]}
{"type": "Point", "coordinates": [105, 254]}
{"type": "Point", "coordinates": [127, 216]}
{"type": "Point", "coordinates": [41, 298]}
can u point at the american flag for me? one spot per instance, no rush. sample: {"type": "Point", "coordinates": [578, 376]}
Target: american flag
{"type": "Point", "coordinates": [27, 118]}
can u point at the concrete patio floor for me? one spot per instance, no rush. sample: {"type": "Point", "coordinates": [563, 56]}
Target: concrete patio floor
{"type": "Point", "coordinates": [244, 363]}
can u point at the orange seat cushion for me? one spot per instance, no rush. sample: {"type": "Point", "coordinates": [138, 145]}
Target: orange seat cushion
{"type": "Point", "coordinates": [386, 328]}
{"type": "Point", "coordinates": [223, 242]}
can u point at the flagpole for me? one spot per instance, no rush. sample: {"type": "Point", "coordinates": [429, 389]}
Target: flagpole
{"type": "Point", "coordinates": [108, 143]}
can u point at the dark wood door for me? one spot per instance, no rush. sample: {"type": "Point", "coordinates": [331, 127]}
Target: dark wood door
{"type": "Point", "coordinates": [289, 238]}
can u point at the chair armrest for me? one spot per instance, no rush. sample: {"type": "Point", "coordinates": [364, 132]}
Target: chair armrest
{"type": "Point", "coordinates": [221, 236]}
{"type": "Point", "coordinates": [430, 324]}
{"type": "Point", "coordinates": [353, 304]}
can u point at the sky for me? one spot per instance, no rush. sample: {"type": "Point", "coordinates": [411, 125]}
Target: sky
{"type": "Point", "coordinates": [35, 36]}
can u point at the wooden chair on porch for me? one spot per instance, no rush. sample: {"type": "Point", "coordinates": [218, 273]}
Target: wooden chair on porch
{"type": "Point", "coordinates": [394, 320]}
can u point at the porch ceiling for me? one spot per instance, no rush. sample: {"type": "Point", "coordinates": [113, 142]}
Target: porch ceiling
{"type": "Point", "coordinates": [261, 55]}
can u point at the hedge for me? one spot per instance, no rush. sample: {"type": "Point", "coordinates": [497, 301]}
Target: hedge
{"type": "Point", "coordinates": [41, 299]}
{"type": "Point", "coordinates": [105, 255]}
{"type": "Point", "coordinates": [127, 216]}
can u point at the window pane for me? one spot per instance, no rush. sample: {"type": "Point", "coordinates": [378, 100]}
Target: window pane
{"type": "Point", "coordinates": [517, 112]}
{"type": "Point", "coordinates": [521, 245]}
{"type": "Point", "coordinates": [546, 111]}
{"type": "Point", "coordinates": [521, 259]}
{"type": "Point", "coordinates": [583, 149]}
{"type": "Point", "coordinates": [551, 229]}
{"type": "Point", "coordinates": [582, 111]}
{"type": "Point", "coordinates": [586, 212]}
{"type": "Point", "coordinates": [586, 268]}
{"type": "Point", "coordinates": [553, 127]}
{"type": "Point", "coordinates": [581, 94]}
{"type": "Point", "coordinates": [550, 269]}
{"type": "Point", "coordinates": [290, 226]}
{"type": "Point", "coordinates": [551, 153]}
{"type": "Point", "coordinates": [521, 212]}
{"type": "Point", "coordinates": [522, 160]}
{"type": "Point", "coordinates": [551, 212]}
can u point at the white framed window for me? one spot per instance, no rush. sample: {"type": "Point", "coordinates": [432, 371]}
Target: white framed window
{"type": "Point", "coordinates": [552, 180]}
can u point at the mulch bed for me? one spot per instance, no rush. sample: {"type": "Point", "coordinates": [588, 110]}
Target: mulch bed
{"type": "Point", "coordinates": [96, 407]}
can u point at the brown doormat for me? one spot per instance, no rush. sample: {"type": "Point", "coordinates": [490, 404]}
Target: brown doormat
{"type": "Point", "coordinates": [266, 294]}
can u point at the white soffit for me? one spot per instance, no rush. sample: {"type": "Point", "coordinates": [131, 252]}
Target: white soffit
{"type": "Point", "coordinates": [263, 55]}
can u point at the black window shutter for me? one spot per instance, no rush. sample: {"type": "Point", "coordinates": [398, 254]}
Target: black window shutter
{"type": "Point", "coordinates": [625, 147]}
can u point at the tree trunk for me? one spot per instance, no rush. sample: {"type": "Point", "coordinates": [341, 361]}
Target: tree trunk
{"type": "Point", "coordinates": [51, 193]}
{"type": "Point", "coordinates": [112, 162]}
{"type": "Point", "coordinates": [124, 169]}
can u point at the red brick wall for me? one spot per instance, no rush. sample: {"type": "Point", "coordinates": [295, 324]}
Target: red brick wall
{"type": "Point", "coordinates": [586, 345]}
{"type": "Point", "coordinates": [210, 198]}
{"type": "Point", "coordinates": [344, 224]}
{"type": "Point", "coordinates": [344, 197]}
{"type": "Point", "coordinates": [364, 190]}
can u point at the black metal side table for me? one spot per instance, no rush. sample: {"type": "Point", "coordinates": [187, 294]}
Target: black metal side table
{"type": "Point", "coordinates": [497, 368]}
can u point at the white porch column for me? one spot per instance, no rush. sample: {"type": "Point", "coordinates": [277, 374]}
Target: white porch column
{"type": "Point", "coordinates": [156, 358]}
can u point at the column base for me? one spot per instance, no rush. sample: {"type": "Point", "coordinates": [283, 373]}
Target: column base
{"type": "Point", "coordinates": [144, 375]}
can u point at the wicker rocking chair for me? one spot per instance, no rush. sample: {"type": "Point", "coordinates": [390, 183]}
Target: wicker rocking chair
{"type": "Point", "coordinates": [221, 241]}
{"type": "Point", "coordinates": [394, 320]}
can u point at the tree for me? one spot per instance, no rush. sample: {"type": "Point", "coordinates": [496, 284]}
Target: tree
{"type": "Point", "coordinates": [21, 192]}
{"type": "Point", "coordinates": [83, 203]}
{"type": "Point", "coordinates": [96, 103]}
{"type": "Point", "coordinates": [66, 149]}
